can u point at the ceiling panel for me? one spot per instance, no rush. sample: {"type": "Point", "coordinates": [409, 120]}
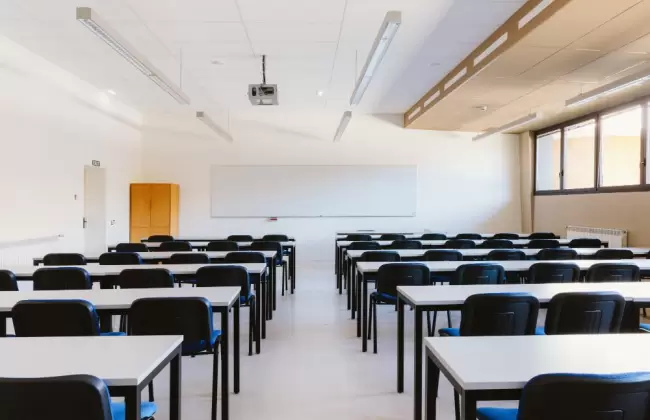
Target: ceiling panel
{"type": "Point", "coordinates": [186, 10]}
{"type": "Point", "coordinates": [292, 10]}
{"type": "Point", "coordinates": [262, 32]}
{"type": "Point", "coordinates": [610, 65]}
{"type": "Point", "coordinates": [176, 35]}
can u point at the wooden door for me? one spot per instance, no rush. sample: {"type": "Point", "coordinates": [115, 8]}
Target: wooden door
{"type": "Point", "coordinates": [140, 211]}
{"type": "Point", "coordinates": [160, 208]}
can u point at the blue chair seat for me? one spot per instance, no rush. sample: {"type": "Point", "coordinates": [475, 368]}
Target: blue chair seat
{"type": "Point", "coordinates": [384, 297]}
{"type": "Point", "coordinates": [243, 299]}
{"type": "Point", "coordinates": [147, 409]}
{"type": "Point", "coordinates": [489, 413]}
{"type": "Point", "coordinates": [645, 327]}
{"type": "Point", "coordinates": [449, 332]}
{"type": "Point", "coordinates": [113, 334]}
{"type": "Point", "coordinates": [539, 331]}
{"type": "Point", "coordinates": [199, 346]}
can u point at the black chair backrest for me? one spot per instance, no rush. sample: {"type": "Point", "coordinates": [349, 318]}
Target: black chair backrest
{"type": "Point", "coordinates": [190, 317]}
{"type": "Point", "coordinates": [175, 246]}
{"type": "Point", "coordinates": [62, 278]}
{"type": "Point", "coordinates": [479, 274]}
{"type": "Point", "coordinates": [496, 244]}
{"type": "Point", "coordinates": [506, 255]}
{"type": "Point", "coordinates": [224, 275]}
{"type": "Point", "coordinates": [392, 237]}
{"type": "Point", "coordinates": [584, 313]}
{"type": "Point", "coordinates": [8, 281]}
{"type": "Point", "coordinates": [64, 259]}
{"type": "Point", "coordinates": [275, 238]}
{"type": "Point", "coordinates": [223, 246]}
{"type": "Point", "coordinates": [245, 257]}
{"type": "Point", "coordinates": [476, 236]}
{"type": "Point", "coordinates": [557, 254]}
{"type": "Point", "coordinates": [585, 243]}
{"type": "Point", "coordinates": [55, 318]}
{"type": "Point", "coordinates": [134, 278]}
{"type": "Point", "coordinates": [506, 236]}
{"type": "Point", "coordinates": [119, 258]}
{"type": "Point", "coordinates": [188, 258]}
{"type": "Point", "coordinates": [499, 314]}
{"type": "Point", "coordinates": [614, 272]}
{"type": "Point", "coordinates": [358, 237]}
{"type": "Point", "coordinates": [269, 246]}
{"type": "Point", "coordinates": [131, 247]}
{"type": "Point", "coordinates": [442, 255]}
{"type": "Point", "coordinates": [72, 397]}
{"type": "Point", "coordinates": [396, 274]}
{"type": "Point", "coordinates": [460, 244]}
{"type": "Point", "coordinates": [380, 256]}
{"type": "Point", "coordinates": [240, 238]}
{"type": "Point", "coordinates": [543, 243]}
{"type": "Point", "coordinates": [160, 238]}
{"type": "Point", "coordinates": [613, 254]}
{"type": "Point", "coordinates": [406, 244]}
{"type": "Point", "coordinates": [362, 245]}
{"type": "Point", "coordinates": [553, 273]}
{"type": "Point", "coordinates": [564, 396]}
{"type": "Point", "coordinates": [542, 235]}
{"type": "Point", "coordinates": [433, 237]}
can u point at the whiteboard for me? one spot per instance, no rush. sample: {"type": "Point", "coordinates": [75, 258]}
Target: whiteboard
{"type": "Point", "coordinates": [313, 191]}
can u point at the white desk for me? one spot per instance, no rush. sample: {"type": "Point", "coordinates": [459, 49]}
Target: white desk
{"type": "Point", "coordinates": [95, 270]}
{"type": "Point", "coordinates": [513, 361]}
{"type": "Point", "coordinates": [155, 256]}
{"type": "Point", "coordinates": [204, 244]}
{"type": "Point", "coordinates": [126, 364]}
{"type": "Point", "coordinates": [515, 242]}
{"type": "Point", "coordinates": [377, 235]}
{"type": "Point", "coordinates": [208, 238]}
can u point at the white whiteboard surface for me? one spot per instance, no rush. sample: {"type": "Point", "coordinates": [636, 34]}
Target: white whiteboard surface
{"type": "Point", "coordinates": [313, 191]}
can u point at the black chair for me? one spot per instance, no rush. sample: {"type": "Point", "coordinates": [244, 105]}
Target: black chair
{"type": "Point", "coordinates": [188, 258]}
{"type": "Point", "coordinates": [8, 281]}
{"type": "Point", "coordinates": [473, 236]}
{"type": "Point", "coordinates": [364, 245]}
{"type": "Point", "coordinates": [565, 396]}
{"type": "Point", "coordinates": [481, 273]}
{"type": "Point", "coordinates": [585, 243]}
{"type": "Point", "coordinates": [496, 244]}
{"type": "Point", "coordinates": [275, 238]}
{"type": "Point", "coordinates": [612, 272]}
{"type": "Point", "coordinates": [584, 313]}
{"type": "Point", "coordinates": [160, 238]}
{"type": "Point", "coordinates": [406, 244]}
{"type": "Point", "coordinates": [389, 276]}
{"type": "Point", "coordinates": [277, 262]}
{"type": "Point", "coordinates": [557, 254]}
{"type": "Point", "coordinates": [64, 259]}
{"type": "Point", "coordinates": [131, 247]}
{"type": "Point", "coordinates": [120, 258]}
{"type": "Point", "coordinates": [543, 272]}
{"type": "Point", "coordinates": [222, 246]}
{"type": "Point", "coordinates": [232, 275]}
{"type": "Point", "coordinates": [392, 237]}
{"type": "Point", "coordinates": [150, 278]}
{"type": "Point", "coordinates": [190, 317]}
{"type": "Point", "coordinates": [433, 237]}
{"type": "Point", "coordinates": [380, 256]}
{"type": "Point", "coordinates": [613, 254]}
{"type": "Point", "coordinates": [509, 236]}
{"type": "Point", "coordinates": [542, 235]}
{"type": "Point", "coordinates": [172, 246]}
{"type": "Point", "coordinates": [460, 244]}
{"type": "Point", "coordinates": [240, 238]}
{"type": "Point", "coordinates": [358, 237]}
{"type": "Point", "coordinates": [496, 314]}
{"type": "Point", "coordinates": [55, 318]}
{"type": "Point", "coordinates": [506, 255]}
{"type": "Point", "coordinates": [245, 257]}
{"type": "Point", "coordinates": [72, 397]}
{"type": "Point", "coordinates": [62, 278]}
{"type": "Point", "coordinates": [442, 255]}
{"type": "Point", "coordinates": [543, 243]}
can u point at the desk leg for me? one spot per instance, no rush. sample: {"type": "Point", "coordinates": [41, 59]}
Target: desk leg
{"type": "Point", "coordinates": [175, 388]}
{"type": "Point", "coordinates": [348, 284]}
{"type": "Point", "coordinates": [260, 313]}
{"type": "Point", "coordinates": [431, 390]}
{"type": "Point", "coordinates": [236, 336]}
{"type": "Point", "coordinates": [400, 345]}
{"type": "Point", "coordinates": [364, 314]}
{"type": "Point", "coordinates": [357, 307]}
{"type": "Point", "coordinates": [274, 286]}
{"type": "Point", "coordinates": [132, 403]}
{"type": "Point", "coordinates": [292, 263]}
{"type": "Point", "coordinates": [336, 256]}
{"type": "Point", "coordinates": [468, 406]}
{"type": "Point", "coordinates": [417, 368]}
{"type": "Point", "coordinates": [339, 274]}
{"type": "Point", "coordinates": [225, 364]}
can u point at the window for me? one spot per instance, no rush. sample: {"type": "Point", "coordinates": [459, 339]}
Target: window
{"type": "Point", "coordinates": [548, 161]}
{"type": "Point", "coordinates": [580, 155]}
{"type": "Point", "coordinates": [620, 148]}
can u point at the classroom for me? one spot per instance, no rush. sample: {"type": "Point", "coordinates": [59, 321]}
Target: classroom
{"type": "Point", "coordinates": [324, 209]}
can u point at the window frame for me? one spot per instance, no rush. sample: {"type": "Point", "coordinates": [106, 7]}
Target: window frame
{"type": "Point", "coordinates": [643, 185]}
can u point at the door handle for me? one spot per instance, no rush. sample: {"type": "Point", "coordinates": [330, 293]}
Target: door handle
{"type": "Point", "coordinates": [85, 223]}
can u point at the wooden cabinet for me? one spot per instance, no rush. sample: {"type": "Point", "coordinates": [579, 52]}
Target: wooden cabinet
{"type": "Point", "coordinates": [154, 210]}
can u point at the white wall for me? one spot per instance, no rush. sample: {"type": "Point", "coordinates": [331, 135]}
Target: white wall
{"type": "Point", "coordinates": [51, 125]}
{"type": "Point", "coordinates": [463, 185]}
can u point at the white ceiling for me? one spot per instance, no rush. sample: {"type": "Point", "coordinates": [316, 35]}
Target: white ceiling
{"type": "Point", "coordinates": [311, 45]}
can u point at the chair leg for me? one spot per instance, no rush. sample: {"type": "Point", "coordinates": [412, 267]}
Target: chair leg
{"type": "Point", "coordinates": [151, 391]}
{"type": "Point", "coordinates": [374, 333]}
{"type": "Point", "coordinates": [215, 377]}
{"type": "Point", "coordinates": [252, 306]}
{"type": "Point", "coordinates": [435, 321]}
{"type": "Point", "coordinates": [448, 319]}
{"type": "Point", "coordinates": [429, 323]}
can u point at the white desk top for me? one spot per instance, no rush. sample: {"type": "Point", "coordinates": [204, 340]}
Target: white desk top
{"type": "Point", "coordinates": [450, 266]}
{"type": "Point", "coordinates": [513, 361]}
{"type": "Point", "coordinates": [165, 255]}
{"type": "Point", "coordinates": [205, 244]}
{"type": "Point", "coordinates": [114, 270]}
{"type": "Point", "coordinates": [518, 242]}
{"type": "Point", "coordinates": [208, 238]}
{"type": "Point", "coordinates": [456, 295]}
{"type": "Point", "coordinates": [119, 361]}
{"type": "Point", "coordinates": [376, 235]}
{"type": "Point", "coordinates": [123, 298]}
{"type": "Point", "coordinates": [480, 252]}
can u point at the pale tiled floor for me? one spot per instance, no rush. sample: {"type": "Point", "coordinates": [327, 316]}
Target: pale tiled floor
{"type": "Point", "coordinates": [311, 366]}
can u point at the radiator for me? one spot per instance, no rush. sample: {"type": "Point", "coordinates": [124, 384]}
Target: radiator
{"type": "Point", "coordinates": [21, 252]}
{"type": "Point", "coordinates": [617, 238]}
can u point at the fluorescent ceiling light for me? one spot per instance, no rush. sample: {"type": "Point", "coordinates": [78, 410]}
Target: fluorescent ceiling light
{"type": "Point", "coordinates": [345, 120]}
{"type": "Point", "coordinates": [112, 92]}
{"type": "Point", "coordinates": [87, 17]}
{"type": "Point", "coordinates": [213, 125]}
{"type": "Point", "coordinates": [608, 89]}
{"type": "Point", "coordinates": [385, 36]}
{"type": "Point", "coordinates": [509, 126]}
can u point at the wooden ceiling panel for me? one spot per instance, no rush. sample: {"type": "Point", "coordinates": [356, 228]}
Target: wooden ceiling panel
{"type": "Point", "coordinates": [561, 63]}
{"type": "Point", "coordinates": [516, 61]}
{"type": "Point", "coordinates": [609, 66]}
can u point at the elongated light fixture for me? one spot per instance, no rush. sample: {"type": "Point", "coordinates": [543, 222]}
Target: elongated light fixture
{"type": "Point", "coordinates": [385, 36]}
{"type": "Point", "coordinates": [345, 120]}
{"type": "Point", "coordinates": [610, 88]}
{"type": "Point", "coordinates": [513, 124]}
{"type": "Point", "coordinates": [89, 18]}
{"type": "Point", "coordinates": [205, 118]}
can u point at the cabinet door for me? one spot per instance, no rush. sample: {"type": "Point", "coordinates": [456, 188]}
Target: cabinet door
{"type": "Point", "coordinates": [160, 206]}
{"type": "Point", "coordinates": [139, 233]}
{"type": "Point", "coordinates": [140, 206]}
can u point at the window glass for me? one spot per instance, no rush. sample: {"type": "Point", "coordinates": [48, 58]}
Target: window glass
{"type": "Point", "coordinates": [548, 162]}
{"type": "Point", "coordinates": [579, 155]}
{"type": "Point", "coordinates": [620, 150]}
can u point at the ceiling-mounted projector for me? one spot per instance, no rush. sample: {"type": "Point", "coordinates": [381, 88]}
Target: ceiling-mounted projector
{"type": "Point", "coordinates": [263, 94]}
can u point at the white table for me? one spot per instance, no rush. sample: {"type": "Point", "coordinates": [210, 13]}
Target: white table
{"type": "Point", "coordinates": [126, 364]}
{"type": "Point", "coordinates": [204, 244]}
{"type": "Point", "coordinates": [208, 238]}
{"type": "Point", "coordinates": [161, 256]}
{"type": "Point", "coordinates": [497, 368]}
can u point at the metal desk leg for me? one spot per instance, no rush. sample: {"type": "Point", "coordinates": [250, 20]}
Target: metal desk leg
{"type": "Point", "coordinates": [357, 293]}
{"type": "Point", "coordinates": [364, 314]}
{"type": "Point", "coordinates": [175, 387]}
{"type": "Point", "coordinates": [225, 364]}
{"type": "Point", "coordinates": [293, 269]}
{"type": "Point", "coordinates": [468, 406]}
{"type": "Point", "coordinates": [417, 360]}
{"type": "Point", "coordinates": [236, 341]}
{"type": "Point", "coordinates": [400, 345]}
{"type": "Point", "coordinates": [132, 403]}
{"type": "Point", "coordinates": [431, 389]}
